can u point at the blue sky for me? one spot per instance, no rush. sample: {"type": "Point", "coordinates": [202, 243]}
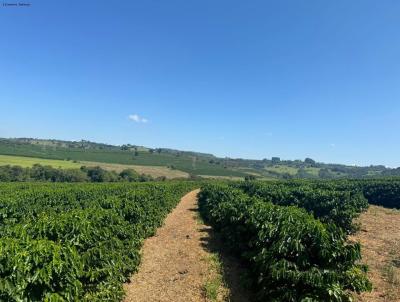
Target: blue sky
{"type": "Point", "coordinates": [249, 79]}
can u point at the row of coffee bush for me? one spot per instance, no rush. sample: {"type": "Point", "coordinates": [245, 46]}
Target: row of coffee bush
{"type": "Point", "coordinates": [77, 242]}
{"type": "Point", "coordinates": [328, 204]}
{"type": "Point", "coordinates": [378, 191]}
{"type": "Point", "coordinates": [292, 256]}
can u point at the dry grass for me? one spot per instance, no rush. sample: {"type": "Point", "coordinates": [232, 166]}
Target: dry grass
{"type": "Point", "coordinates": [380, 240]}
{"type": "Point", "coordinates": [30, 161]}
{"type": "Point", "coordinates": [155, 171]}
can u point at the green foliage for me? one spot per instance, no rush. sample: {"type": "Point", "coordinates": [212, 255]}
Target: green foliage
{"type": "Point", "coordinates": [249, 178]}
{"type": "Point", "coordinates": [383, 192]}
{"type": "Point", "coordinates": [84, 174]}
{"type": "Point", "coordinates": [327, 204]}
{"type": "Point", "coordinates": [77, 242]}
{"type": "Point", "coordinates": [129, 175]}
{"type": "Point", "coordinates": [292, 256]}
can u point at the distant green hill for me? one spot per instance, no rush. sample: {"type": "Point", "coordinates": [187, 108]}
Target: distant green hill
{"type": "Point", "coordinates": [187, 161]}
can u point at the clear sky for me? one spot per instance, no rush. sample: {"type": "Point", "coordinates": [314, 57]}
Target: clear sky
{"type": "Point", "coordinates": [249, 79]}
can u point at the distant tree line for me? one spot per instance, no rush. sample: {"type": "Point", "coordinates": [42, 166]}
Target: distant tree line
{"type": "Point", "coordinates": [84, 174]}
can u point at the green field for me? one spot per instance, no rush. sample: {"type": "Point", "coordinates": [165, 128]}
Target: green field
{"type": "Point", "coordinates": [312, 171]}
{"type": "Point", "coordinates": [186, 163]}
{"type": "Point", "coordinates": [282, 169]}
{"type": "Point", "coordinates": [30, 161]}
{"type": "Point", "coordinates": [154, 171]}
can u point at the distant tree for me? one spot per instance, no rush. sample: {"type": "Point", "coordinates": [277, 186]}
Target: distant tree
{"type": "Point", "coordinates": [194, 177]}
{"type": "Point", "coordinates": [151, 151]}
{"type": "Point", "coordinates": [286, 176]}
{"type": "Point", "coordinates": [75, 175]}
{"type": "Point", "coordinates": [275, 160]}
{"type": "Point", "coordinates": [129, 175]}
{"type": "Point", "coordinates": [309, 161]}
{"type": "Point", "coordinates": [249, 178]}
{"type": "Point", "coordinates": [5, 173]}
{"type": "Point", "coordinates": [13, 173]}
{"type": "Point", "coordinates": [302, 173]}
{"type": "Point", "coordinates": [19, 174]}
{"type": "Point", "coordinates": [136, 153]}
{"type": "Point", "coordinates": [144, 178]}
{"type": "Point", "coordinates": [41, 173]}
{"type": "Point", "coordinates": [324, 173]}
{"type": "Point", "coordinates": [97, 174]}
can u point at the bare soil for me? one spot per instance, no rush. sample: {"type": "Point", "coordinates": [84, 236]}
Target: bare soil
{"type": "Point", "coordinates": [380, 240]}
{"type": "Point", "coordinates": [176, 261]}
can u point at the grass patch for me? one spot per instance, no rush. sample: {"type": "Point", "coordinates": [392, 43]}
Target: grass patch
{"type": "Point", "coordinates": [312, 171]}
{"type": "Point", "coordinates": [214, 288]}
{"type": "Point", "coordinates": [392, 274]}
{"type": "Point", "coordinates": [30, 161]}
{"type": "Point", "coordinates": [282, 169]}
{"type": "Point", "coordinates": [211, 289]}
{"type": "Point", "coordinates": [199, 219]}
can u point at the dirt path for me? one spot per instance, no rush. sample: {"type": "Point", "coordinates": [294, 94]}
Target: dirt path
{"type": "Point", "coordinates": [176, 263]}
{"type": "Point", "coordinates": [380, 240]}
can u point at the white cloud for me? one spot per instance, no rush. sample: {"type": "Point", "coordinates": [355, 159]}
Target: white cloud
{"type": "Point", "coordinates": [332, 145]}
{"type": "Point", "coordinates": [137, 118]}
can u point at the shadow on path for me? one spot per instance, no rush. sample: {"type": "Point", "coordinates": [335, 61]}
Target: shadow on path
{"type": "Point", "coordinates": [232, 270]}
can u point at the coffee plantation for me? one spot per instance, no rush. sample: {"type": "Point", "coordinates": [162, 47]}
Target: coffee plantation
{"type": "Point", "coordinates": [77, 242]}
{"type": "Point", "coordinates": [82, 241]}
{"type": "Point", "coordinates": [292, 256]}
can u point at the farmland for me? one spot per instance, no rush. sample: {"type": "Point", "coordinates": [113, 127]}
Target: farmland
{"type": "Point", "coordinates": [184, 162]}
{"type": "Point", "coordinates": [199, 151]}
{"type": "Point", "coordinates": [297, 239]}
{"type": "Point", "coordinates": [291, 255]}
{"type": "Point", "coordinates": [154, 171]}
{"type": "Point", "coordinates": [188, 162]}
{"type": "Point", "coordinates": [30, 161]}
{"type": "Point", "coordinates": [69, 242]}
{"type": "Point", "coordinates": [293, 236]}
